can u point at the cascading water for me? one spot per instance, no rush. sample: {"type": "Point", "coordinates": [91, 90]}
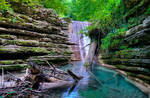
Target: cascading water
{"type": "Point", "coordinates": [79, 51]}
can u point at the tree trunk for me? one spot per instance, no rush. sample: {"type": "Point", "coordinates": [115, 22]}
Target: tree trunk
{"type": "Point", "coordinates": [91, 54]}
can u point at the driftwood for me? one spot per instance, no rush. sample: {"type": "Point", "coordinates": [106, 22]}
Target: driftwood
{"type": "Point", "coordinates": [37, 76]}
{"type": "Point", "coordinates": [75, 77]}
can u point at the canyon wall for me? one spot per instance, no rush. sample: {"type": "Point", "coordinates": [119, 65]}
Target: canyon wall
{"type": "Point", "coordinates": [130, 51]}
{"type": "Point", "coordinates": [36, 34]}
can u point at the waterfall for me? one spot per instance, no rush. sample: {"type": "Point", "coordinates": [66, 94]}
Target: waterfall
{"type": "Point", "coordinates": [79, 50]}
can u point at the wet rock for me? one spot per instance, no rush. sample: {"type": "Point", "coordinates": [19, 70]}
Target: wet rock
{"type": "Point", "coordinates": [146, 22]}
{"type": "Point", "coordinates": [13, 67]}
{"type": "Point", "coordinates": [143, 63]}
{"type": "Point", "coordinates": [140, 37]}
{"type": "Point", "coordinates": [134, 59]}
{"type": "Point", "coordinates": [134, 30]}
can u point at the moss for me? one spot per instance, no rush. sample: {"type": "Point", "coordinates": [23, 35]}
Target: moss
{"type": "Point", "coordinates": [135, 8]}
{"type": "Point", "coordinates": [86, 64]}
{"type": "Point", "coordinates": [23, 50]}
{"type": "Point", "coordinates": [128, 62]}
{"type": "Point", "coordinates": [129, 53]}
{"type": "Point", "coordinates": [126, 53]}
{"type": "Point", "coordinates": [68, 52]}
{"type": "Point", "coordinates": [6, 50]}
{"type": "Point", "coordinates": [16, 67]}
{"type": "Point", "coordinates": [39, 62]}
{"type": "Point", "coordinates": [140, 76]}
{"type": "Point", "coordinates": [5, 19]}
{"type": "Point", "coordinates": [28, 43]}
{"type": "Point", "coordinates": [52, 53]}
{"type": "Point", "coordinates": [6, 36]}
{"type": "Point", "coordinates": [21, 42]}
{"type": "Point", "coordinates": [33, 50]}
{"type": "Point", "coordinates": [113, 40]}
{"type": "Point", "coordinates": [120, 66]}
{"type": "Point", "coordinates": [9, 62]}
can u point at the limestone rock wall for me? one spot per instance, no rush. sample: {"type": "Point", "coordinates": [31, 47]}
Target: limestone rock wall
{"type": "Point", "coordinates": [135, 58]}
{"type": "Point", "coordinates": [36, 34]}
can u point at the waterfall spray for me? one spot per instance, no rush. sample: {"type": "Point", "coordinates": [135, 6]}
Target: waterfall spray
{"type": "Point", "coordinates": [79, 51]}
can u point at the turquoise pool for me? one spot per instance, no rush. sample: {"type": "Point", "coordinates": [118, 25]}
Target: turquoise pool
{"type": "Point", "coordinates": [106, 84]}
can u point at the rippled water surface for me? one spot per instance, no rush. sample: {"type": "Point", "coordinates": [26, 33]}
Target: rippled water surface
{"type": "Point", "coordinates": [106, 84]}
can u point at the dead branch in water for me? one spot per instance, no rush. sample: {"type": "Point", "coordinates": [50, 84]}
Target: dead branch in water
{"type": "Point", "coordinates": [75, 77]}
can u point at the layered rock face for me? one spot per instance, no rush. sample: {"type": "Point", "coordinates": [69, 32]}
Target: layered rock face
{"type": "Point", "coordinates": [134, 56]}
{"type": "Point", "coordinates": [37, 34]}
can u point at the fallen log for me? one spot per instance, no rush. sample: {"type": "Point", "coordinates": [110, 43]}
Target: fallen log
{"type": "Point", "coordinates": [37, 76]}
{"type": "Point", "coordinates": [36, 81]}
{"type": "Point", "coordinates": [57, 85]}
{"type": "Point", "coordinates": [75, 77]}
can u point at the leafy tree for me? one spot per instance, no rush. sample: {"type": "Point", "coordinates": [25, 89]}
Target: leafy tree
{"type": "Point", "coordinates": [4, 5]}
{"type": "Point", "coordinates": [59, 5]}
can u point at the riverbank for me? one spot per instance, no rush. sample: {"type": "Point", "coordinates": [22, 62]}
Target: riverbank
{"type": "Point", "coordinates": [144, 87]}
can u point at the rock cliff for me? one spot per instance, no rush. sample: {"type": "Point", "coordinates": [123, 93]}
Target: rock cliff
{"type": "Point", "coordinates": [131, 51]}
{"type": "Point", "coordinates": [32, 33]}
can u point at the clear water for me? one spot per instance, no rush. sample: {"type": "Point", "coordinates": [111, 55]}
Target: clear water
{"type": "Point", "coordinates": [106, 84]}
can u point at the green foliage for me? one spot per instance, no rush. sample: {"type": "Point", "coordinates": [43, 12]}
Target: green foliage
{"type": "Point", "coordinates": [52, 53]}
{"type": "Point", "coordinates": [100, 12]}
{"type": "Point", "coordinates": [113, 40]}
{"type": "Point", "coordinates": [13, 19]}
{"type": "Point", "coordinates": [59, 5]}
{"type": "Point", "coordinates": [148, 11]}
{"type": "Point", "coordinates": [4, 5]}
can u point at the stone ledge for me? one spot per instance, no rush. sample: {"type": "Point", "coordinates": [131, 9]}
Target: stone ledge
{"type": "Point", "coordinates": [135, 81]}
{"type": "Point", "coordinates": [16, 67]}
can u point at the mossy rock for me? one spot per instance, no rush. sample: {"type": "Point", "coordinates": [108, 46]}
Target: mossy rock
{"type": "Point", "coordinates": [33, 50]}
{"type": "Point", "coordinates": [136, 70]}
{"type": "Point", "coordinates": [23, 50]}
{"type": "Point", "coordinates": [145, 78]}
{"type": "Point", "coordinates": [68, 52]}
{"type": "Point", "coordinates": [144, 63]}
{"type": "Point", "coordinates": [130, 53]}
{"type": "Point", "coordinates": [6, 36]}
{"type": "Point", "coordinates": [58, 58]}
{"type": "Point", "coordinates": [140, 38]}
{"type": "Point", "coordinates": [31, 43]}
{"type": "Point", "coordinates": [16, 67]}
{"type": "Point", "coordinates": [10, 62]}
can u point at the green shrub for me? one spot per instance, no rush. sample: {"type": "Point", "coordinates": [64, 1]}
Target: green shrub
{"type": "Point", "coordinates": [148, 11]}
{"type": "Point", "coordinates": [4, 5]}
{"type": "Point", "coordinates": [113, 40]}
{"type": "Point", "coordinates": [52, 53]}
